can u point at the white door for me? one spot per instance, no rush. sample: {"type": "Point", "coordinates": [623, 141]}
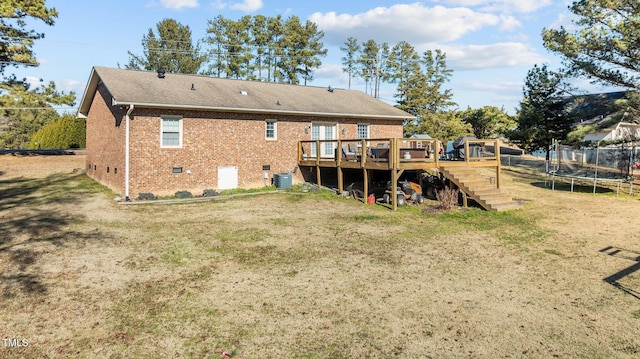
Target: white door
{"type": "Point", "coordinates": [227, 177]}
{"type": "Point", "coordinates": [323, 132]}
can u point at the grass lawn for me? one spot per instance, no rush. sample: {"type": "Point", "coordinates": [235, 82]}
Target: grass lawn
{"type": "Point", "coordinates": [312, 275]}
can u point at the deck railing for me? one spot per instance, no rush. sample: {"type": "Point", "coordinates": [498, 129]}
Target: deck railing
{"type": "Point", "coordinates": [378, 152]}
{"type": "Point", "coordinates": [394, 153]}
{"type": "Point", "coordinates": [480, 150]}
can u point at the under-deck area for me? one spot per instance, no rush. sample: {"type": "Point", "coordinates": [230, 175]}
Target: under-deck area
{"type": "Point", "coordinates": [395, 156]}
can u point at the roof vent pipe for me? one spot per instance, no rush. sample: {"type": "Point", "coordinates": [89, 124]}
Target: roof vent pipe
{"type": "Point", "coordinates": [161, 73]}
{"type": "Point", "coordinates": [193, 87]}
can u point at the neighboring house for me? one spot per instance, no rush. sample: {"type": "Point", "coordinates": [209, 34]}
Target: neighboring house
{"type": "Point", "coordinates": [600, 112]}
{"type": "Point", "coordinates": [160, 133]}
{"type": "Point", "coordinates": [619, 132]}
{"type": "Point", "coordinates": [421, 136]}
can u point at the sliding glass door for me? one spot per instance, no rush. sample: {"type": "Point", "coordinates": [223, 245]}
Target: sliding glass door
{"type": "Point", "coordinates": [323, 132]}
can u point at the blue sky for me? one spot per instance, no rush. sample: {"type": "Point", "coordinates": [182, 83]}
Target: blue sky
{"type": "Point", "coordinates": [490, 44]}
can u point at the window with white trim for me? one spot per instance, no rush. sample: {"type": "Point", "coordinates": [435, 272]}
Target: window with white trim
{"type": "Point", "coordinates": [271, 130]}
{"type": "Point", "coordinates": [171, 132]}
{"type": "Point", "coordinates": [363, 130]}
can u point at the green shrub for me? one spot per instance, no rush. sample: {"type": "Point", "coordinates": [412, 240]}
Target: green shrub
{"type": "Point", "coordinates": [65, 132]}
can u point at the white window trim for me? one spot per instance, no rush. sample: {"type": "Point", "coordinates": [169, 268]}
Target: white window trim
{"type": "Point", "coordinates": [179, 133]}
{"type": "Point", "coordinates": [275, 130]}
{"type": "Point", "coordinates": [326, 148]}
{"type": "Point", "coordinates": [368, 130]}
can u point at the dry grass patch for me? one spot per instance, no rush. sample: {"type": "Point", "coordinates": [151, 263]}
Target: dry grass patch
{"type": "Point", "coordinates": [315, 276]}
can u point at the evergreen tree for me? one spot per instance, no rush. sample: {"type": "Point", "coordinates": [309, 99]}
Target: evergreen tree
{"type": "Point", "coordinates": [606, 44]}
{"type": "Point", "coordinates": [215, 38]}
{"type": "Point", "coordinates": [302, 48]}
{"type": "Point", "coordinates": [437, 74]}
{"type": "Point", "coordinates": [420, 92]}
{"type": "Point", "coordinates": [16, 41]}
{"type": "Point", "coordinates": [542, 116]}
{"type": "Point", "coordinates": [171, 49]}
{"type": "Point", "coordinates": [351, 51]}
{"type": "Point", "coordinates": [287, 51]}
{"type": "Point", "coordinates": [275, 26]}
{"type": "Point", "coordinates": [403, 63]}
{"type": "Point", "coordinates": [260, 41]}
{"type": "Point", "coordinates": [237, 48]}
{"type": "Point", "coordinates": [65, 132]}
{"type": "Point", "coordinates": [310, 50]}
{"type": "Point", "coordinates": [26, 110]}
{"type": "Point", "coordinates": [369, 62]}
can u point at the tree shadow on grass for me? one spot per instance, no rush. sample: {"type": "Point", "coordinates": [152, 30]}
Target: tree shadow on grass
{"type": "Point", "coordinates": [29, 220]}
{"type": "Point", "coordinates": [58, 188]}
{"type": "Point", "coordinates": [615, 278]}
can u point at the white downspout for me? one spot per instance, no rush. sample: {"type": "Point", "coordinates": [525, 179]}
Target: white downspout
{"type": "Point", "coordinates": [126, 154]}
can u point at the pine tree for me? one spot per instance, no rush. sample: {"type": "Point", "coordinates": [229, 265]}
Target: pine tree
{"type": "Point", "coordinates": [542, 116]}
{"type": "Point", "coordinates": [26, 110]}
{"type": "Point", "coordinates": [351, 51]}
{"type": "Point", "coordinates": [605, 45]}
{"type": "Point", "coordinates": [370, 66]}
{"type": "Point", "coordinates": [171, 49]}
{"type": "Point", "coordinates": [16, 41]}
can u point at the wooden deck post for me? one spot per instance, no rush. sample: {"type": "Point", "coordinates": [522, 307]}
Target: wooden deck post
{"type": "Point", "coordinates": [338, 153]}
{"type": "Point", "coordinates": [390, 160]}
{"type": "Point", "coordinates": [318, 179]}
{"type": "Point", "coordinates": [363, 153]}
{"type": "Point", "coordinates": [365, 176]}
{"type": "Point", "coordinates": [498, 169]}
{"type": "Point", "coordinates": [466, 152]}
{"type": "Point", "coordinates": [394, 195]}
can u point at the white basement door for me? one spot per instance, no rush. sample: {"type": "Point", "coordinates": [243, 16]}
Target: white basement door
{"type": "Point", "coordinates": [227, 177]}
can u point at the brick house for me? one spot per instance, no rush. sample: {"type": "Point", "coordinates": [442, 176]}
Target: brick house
{"type": "Point", "coordinates": [162, 133]}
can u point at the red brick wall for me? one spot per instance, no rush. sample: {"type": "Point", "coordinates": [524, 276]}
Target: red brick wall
{"type": "Point", "coordinates": [210, 140]}
{"type": "Point", "coordinates": [106, 142]}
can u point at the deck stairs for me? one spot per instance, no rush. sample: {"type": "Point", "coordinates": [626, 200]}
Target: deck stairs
{"type": "Point", "coordinates": [480, 188]}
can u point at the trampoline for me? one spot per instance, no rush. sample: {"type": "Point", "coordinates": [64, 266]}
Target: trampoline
{"type": "Point", "coordinates": [611, 164]}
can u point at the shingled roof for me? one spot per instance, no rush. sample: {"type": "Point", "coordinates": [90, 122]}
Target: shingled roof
{"type": "Point", "coordinates": [195, 92]}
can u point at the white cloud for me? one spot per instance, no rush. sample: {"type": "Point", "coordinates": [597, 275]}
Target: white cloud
{"type": "Point", "coordinates": [72, 85]}
{"type": "Point", "coordinates": [330, 71]}
{"type": "Point", "coordinates": [219, 5]}
{"type": "Point", "coordinates": [565, 20]}
{"type": "Point", "coordinates": [519, 6]}
{"type": "Point", "coordinates": [179, 4]}
{"type": "Point", "coordinates": [413, 23]}
{"type": "Point", "coordinates": [247, 5]}
{"type": "Point", "coordinates": [33, 82]}
{"type": "Point", "coordinates": [507, 88]}
{"type": "Point", "coordinates": [476, 57]}
{"type": "Point", "coordinates": [509, 23]}
{"type": "Point", "coordinates": [476, 94]}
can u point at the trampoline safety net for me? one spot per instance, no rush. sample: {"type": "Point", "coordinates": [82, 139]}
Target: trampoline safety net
{"type": "Point", "coordinates": [606, 162]}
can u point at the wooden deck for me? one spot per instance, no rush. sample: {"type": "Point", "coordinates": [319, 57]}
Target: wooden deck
{"type": "Point", "coordinates": [398, 155]}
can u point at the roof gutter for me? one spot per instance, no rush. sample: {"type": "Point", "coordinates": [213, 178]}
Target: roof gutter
{"type": "Point", "coordinates": [127, 149]}
{"type": "Point", "coordinates": [250, 110]}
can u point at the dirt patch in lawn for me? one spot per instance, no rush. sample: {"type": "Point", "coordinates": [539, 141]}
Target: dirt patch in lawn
{"type": "Point", "coordinates": [312, 276]}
